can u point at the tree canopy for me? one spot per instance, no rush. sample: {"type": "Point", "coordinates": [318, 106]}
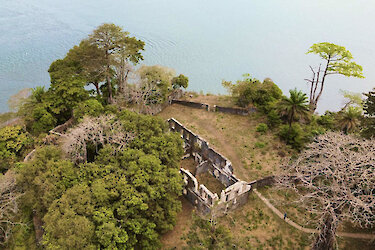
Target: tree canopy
{"type": "Point", "coordinates": [337, 60]}
{"type": "Point", "coordinates": [122, 199]}
{"type": "Point", "coordinates": [294, 107]}
{"type": "Point", "coordinates": [252, 91]}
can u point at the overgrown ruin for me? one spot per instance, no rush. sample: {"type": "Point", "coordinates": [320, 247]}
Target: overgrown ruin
{"type": "Point", "coordinates": [209, 161]}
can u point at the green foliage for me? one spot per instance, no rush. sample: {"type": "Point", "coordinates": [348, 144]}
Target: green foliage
{"type": "Point", "coordinates": [158, 79]}
{"type": "Point", "coordinates": [327, 120]}
{"type": "Point", "coordinates": [206, 234]}
{"type": "Point", "coordinates": [122, 200]}
{"type": "Point", "coordinates": [349, 120]}
{"type": "Point", "coordinates": [293, 135]}
{"type": "Point", "coordinates": [89, 107]}
{"type": "Point", "coordinates": [180, 81]}
{"type": "Point", "coordinates": [45, 109]}
{"type": "Point", "coordinates": [259, 144]}
{"type": "Point", "coordinates": [42, 120]}
{"type": "Point", "coordinates": [252, 91]}
{"type": "Point", "coordinates": [89, 63]}
{"type": "Point", "coordinates": [13, 142]}
{"type": "Point", "coordinates": [352, 99]}
{"type": "Point", "coordinates": [46, 178]}
{"type": "Point", "coordinates": [63, 96]}
{"type": "Point", "coordinates": [295, 107]}
{"type": "Point", "coordinates": [117, 48]}
{"type": "Point", "coordinates": [262, 128]}
{"type": "Point", "coordinates": [35, 113]}
{"type": "Point", "coordinates": [273, 118]}
{"type": "Point", "coordinates": [339, 59]}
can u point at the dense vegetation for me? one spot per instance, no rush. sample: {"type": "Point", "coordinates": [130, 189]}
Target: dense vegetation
{"type": "Point", "coordinates": [124, 192]}
{"type": "Point", "coordinates": [110, 179]}
{"type": "Point", "coordinates": [122, 199]}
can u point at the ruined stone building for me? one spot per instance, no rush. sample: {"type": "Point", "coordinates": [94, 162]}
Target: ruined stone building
{"type": "Point", "coordinates": [234, 192]}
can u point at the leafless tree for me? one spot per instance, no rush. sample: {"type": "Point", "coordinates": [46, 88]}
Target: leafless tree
{"type": "Point", "coordinates": [8, 205]}
{"type": "Point", "coordinates": [101, 130]}
{"type": "Point", "coordinates": [335, 178]}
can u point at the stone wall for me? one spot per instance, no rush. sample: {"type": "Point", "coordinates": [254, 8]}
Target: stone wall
{"type": "Point", "coordinates": [197, 105]}
{"type": "Point", "coordinates": [211, 161]}
{"type": "Point", "coordinates": [235, 111]}
{"type": "Point", "coordinates": [266, 181]}
{"type": "Point", "coordinates": [215, 108]}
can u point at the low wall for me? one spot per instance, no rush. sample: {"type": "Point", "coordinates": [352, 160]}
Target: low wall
{"type": "Point", "coordinates": [234, 111]}
{"type": "Point", "coordinates": [215, 108]}
{"type": "Point", "coordinates": [266, 181]}
{"type": "Point", "coordinates": [196, 105]}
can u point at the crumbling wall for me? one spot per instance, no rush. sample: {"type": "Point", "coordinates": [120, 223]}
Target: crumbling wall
{"type": "Point", "coordinates": [215, 108]}
{"type": "Point", "coordinates": [235, 111]}
{"type": "Point", "coordinates": [196, 105]}
{"type": "Point", "coordinates": [209, 160]}
{"type": "Point", "coordinates": [266, 181]}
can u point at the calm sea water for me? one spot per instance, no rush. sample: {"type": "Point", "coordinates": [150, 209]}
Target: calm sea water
{"type": "Point", "coordinates": [207, 40]}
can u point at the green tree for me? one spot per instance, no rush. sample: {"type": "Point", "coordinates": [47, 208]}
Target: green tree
{"type": "Point", "coordinates": [46, 178]}
{"type": "Point", "coordinates": [349, 119]}
{"type": "Point", "coordinates": [123, 199]}
{"type": "Point", "coordinates": [207, 234]}
{"type": "Point", "coordinates": [158, 79]}
{"type": "Point", "coordinates": [180, 81]}
{"type": "Point", "coordinates": [66, 223]}
{"type": "Point", "coordinates": [112, 41]}
{"type": "Point", "coordinates": [128, 55]}
{"type": "Point", "coordinates": [252, 91]}
{"type": "Point", "coordinates": [66, 90]}
{"type": "Point", "coordinates": [352, 99]}
{"type": "Point", "coordinates": [337, 60]}
{"type": "Point", "coordinates": [293, 135]}
{"type": "Point", "coordinates": [91, 107]}
{"type": "Point", "coordinates": [35, 112]}
{"type": "Point", "coordinates": [13, 143]}
{"type": "Point", "coordinates": [89, 63]}
{"type": "Point", "coordinates": [295, 107]}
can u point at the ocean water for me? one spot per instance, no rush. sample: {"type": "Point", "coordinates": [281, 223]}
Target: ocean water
{"type": "Point", "coordinates": [207, 40]}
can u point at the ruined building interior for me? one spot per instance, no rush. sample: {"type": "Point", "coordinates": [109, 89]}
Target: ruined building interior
{"type": "Point", "coordinates": [208, 166]}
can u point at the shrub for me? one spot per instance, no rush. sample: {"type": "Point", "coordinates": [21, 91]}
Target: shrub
{"type": "Point", "coordinates": [260, 144]}
{"type": "Point", "coordinates": [293, 135]}
{"type": "Point", "coordinates": [273, 119]}
{"type": "Point", "coordinates": [250, 90]}
{"type": "Point", "coordinates": [327, 120]}
{"type": "Point", "coordinates": [13, 142]}
{"type": "Point", "coordinates": [262, 128]}
{"type": "Point", "coordinates": [43, 120]}
{"type": "Point", "coordinates": [91, 107]}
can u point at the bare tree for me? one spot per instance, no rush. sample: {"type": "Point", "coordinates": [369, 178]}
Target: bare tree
{"type": "Point", "coordinates": [335, 178]}
{"type": "Point", "coordinates": [98, 131]}
{"type": "Point", "coordinates": [8, 205]}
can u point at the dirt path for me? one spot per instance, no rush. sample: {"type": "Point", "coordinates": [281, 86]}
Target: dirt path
{"type": "Point", "coordinates": [309, 230]}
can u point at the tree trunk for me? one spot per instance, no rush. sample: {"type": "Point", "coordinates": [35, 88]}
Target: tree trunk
{"type": "Point", "coordinates": [97, 88]}
{"type": "Point", "coordinates": [109, 85]}
{"type": "Point", "coordinates": [326, 238]}
{"type": "Point", "coordinates": [315, 100]}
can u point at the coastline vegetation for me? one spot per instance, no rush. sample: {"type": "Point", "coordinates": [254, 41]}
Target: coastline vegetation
{"type": "Point", "coordinates": [110, 179]}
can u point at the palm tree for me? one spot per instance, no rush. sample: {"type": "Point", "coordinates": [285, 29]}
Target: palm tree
{"type": "Point", "coordinates": [349, 119]}
{"type": "Point", "coordinates": [295, 107]}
